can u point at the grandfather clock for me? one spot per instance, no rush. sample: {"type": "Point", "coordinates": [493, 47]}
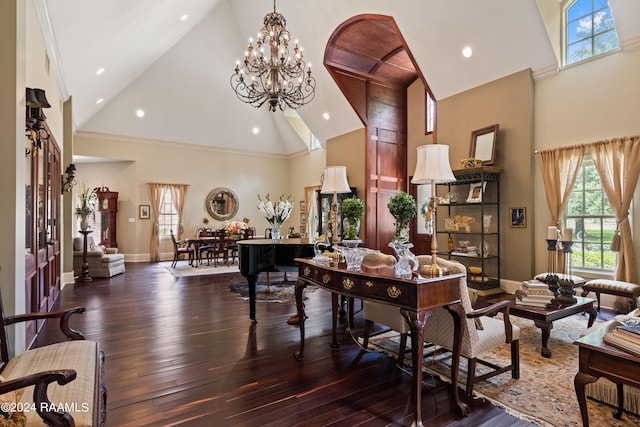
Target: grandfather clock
{"type": "Point", "coordinates": [108, 208]}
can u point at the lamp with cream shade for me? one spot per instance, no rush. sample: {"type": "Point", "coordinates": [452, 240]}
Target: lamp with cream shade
{"type": "Point", "coordinates": [433, 167]}
{"type": "Point", "coordinates": [334, 182]}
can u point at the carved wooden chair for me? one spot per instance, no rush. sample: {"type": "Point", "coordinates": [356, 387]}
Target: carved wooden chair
{"type": "Point", "coordinates": [180, 248]}
{"type": "Point", "coordinates": [482, 332]}
{"type": "Point", "coordinates": [219, 249]}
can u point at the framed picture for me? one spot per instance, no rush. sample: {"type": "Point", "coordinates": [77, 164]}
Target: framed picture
{"type": "Point", "coordinates": [483, 144]}
{"type": "Point", "coordinates": [518, 217]}
{"type": "Point", "coordinates": [303, 218]}
{"type": "Point", "coordinates": [144, 211]}
{"type": "Point", "coordinates": [475, 192]}
{"type": "Point", "coordinates": [303, 206]}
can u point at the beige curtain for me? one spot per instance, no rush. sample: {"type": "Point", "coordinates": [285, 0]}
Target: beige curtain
{"type": "Point", "coordinates": [560, 167]}
{"type": "Point", "coordinates": [618, 164]}
{"type": "Point", "coordinates": [179, 194]}
{"type": "Point", "coordinates": [155, 193]}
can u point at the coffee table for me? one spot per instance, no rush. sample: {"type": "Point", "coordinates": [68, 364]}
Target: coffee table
{"type": "Point", "coordinates": [544, 317]}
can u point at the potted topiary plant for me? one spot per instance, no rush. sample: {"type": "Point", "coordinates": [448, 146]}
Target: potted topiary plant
{"type": "Point", "coordinates": [352, 210]}
{"type": "Point", "coordinates": [402, 207]}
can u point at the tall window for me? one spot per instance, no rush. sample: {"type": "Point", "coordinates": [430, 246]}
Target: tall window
{"type": "Point", "coordinates": [169, 218]}
{"type": "Point", "coordinates": [589, 30]}
{"type": "Point", "coordinates": [430, 112]}
{"type": "Point", "coordinates": [592, 219]}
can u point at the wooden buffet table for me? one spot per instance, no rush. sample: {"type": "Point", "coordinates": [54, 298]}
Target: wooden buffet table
{"type": "Point", "coordinates": [416, 299]}
{"type": "Point", "coordinates": [597, 359]}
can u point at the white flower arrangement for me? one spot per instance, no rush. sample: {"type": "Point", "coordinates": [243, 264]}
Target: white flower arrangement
{"type": "Point", "coordinates": [278, 213]}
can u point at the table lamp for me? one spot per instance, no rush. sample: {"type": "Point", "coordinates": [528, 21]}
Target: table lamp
{"type": "Point", "coordinates": [335, 181]}
{"type": "Point", "coordinates": [433, 167]}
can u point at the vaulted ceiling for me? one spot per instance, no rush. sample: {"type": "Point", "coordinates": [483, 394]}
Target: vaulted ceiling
{"type": "Point", "coordinates": [178, 71]}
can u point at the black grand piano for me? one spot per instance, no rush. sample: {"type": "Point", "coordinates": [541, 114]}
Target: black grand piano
{"type": "Point", "coordinates": [262, 255]}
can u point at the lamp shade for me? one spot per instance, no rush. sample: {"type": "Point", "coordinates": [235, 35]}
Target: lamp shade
{"type": "Point", "coordinates": [335, 180]}
{"type": "Point", "coordinates": [433, 165]}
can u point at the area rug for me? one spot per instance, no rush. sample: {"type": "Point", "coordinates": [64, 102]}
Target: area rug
{"type": "Point", "coordinates": [544, 394]}
{"type": "Point", "coordinates": [277, 292]}
{"type": "Point", "coordinates": [183, 269]}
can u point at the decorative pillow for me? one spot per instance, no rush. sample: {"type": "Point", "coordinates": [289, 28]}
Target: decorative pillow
{"type": "Point", "coordinates": [77, 244]}
{"type": "Point", "coordinates": [9, 415]}
{"type": "Point", "coordinates": [101, 248]}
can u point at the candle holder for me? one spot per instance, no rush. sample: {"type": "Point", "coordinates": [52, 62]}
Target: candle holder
{"type": "Point", "coordinates": [567, 288]}
{"type": "Point", "coordinates": [552, 259]}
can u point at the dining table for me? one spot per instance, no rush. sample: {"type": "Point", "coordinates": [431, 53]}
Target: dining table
{"type": "Point", "coordinates": [198, 243]}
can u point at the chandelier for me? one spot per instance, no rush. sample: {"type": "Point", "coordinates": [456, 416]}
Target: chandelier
{"type": "Point", "coordinates": [269, 73]}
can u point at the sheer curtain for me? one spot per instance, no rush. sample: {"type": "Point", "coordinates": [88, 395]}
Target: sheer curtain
{"type": "Point", "coordinates": [560, 167]}
{"type": "Point", "coordinates": [618, 164]}
{"type": "Point", "coordinates": [311, 204]}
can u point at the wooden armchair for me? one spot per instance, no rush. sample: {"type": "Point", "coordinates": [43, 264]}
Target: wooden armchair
{"type": "Point", "coordinates": [76, 366]}
{"type": "Point", "coordinates": [482, 332]}
{"type": "Point", "coordinates": [180, 248]}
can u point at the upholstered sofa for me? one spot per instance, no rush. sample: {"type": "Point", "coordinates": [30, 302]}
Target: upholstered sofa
{"type": "Point", "coordinates": [103, 262]}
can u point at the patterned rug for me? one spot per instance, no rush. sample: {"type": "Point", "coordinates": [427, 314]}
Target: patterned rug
{"type": "Point", "coordinates": [544, 393]}
{"type": "Point", "coordinates": [183, 268]}
{"type": "Point", "coordinates": [277, 291]}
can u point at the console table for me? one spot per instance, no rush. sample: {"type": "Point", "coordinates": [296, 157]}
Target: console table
{"type": "Point", "coordinates": [597, 359]}
{"type": "Point", "coordinates": [416, 298]}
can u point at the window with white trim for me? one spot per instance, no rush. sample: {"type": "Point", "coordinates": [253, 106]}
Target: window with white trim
{"type": "Point", "coordinates": [589, 30]}
{"type": "Point", "coordinates": [593, 222]}
{"type": "Point", "coordinates": [168, 218]}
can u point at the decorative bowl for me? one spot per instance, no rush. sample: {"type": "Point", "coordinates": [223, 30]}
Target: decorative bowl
{"type": "Point", "coordinates": [470, 163]}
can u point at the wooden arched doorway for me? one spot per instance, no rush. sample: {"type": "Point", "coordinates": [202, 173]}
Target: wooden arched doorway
{"type": "Point", "coordinates": [372, 65]}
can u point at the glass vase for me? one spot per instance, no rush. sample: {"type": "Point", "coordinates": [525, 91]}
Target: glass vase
{"type": "Point", "coordinates": [275, 233]}
{"type": "Point", "coordinates": [351, 228]}
{"type": "Point", "coordinates": [406, 261]}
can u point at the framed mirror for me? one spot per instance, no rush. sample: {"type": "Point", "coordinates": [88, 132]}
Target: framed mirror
{"type": "Point", "coordinates": [222, 204]}
{"type": "Point", "coordinates": [483, 144]}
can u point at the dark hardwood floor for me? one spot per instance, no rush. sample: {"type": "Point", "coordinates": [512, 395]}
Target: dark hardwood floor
{"type": "Point", "coordinates": [182, 351]}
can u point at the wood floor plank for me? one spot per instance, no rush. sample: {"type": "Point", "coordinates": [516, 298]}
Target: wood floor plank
{"type": "Point", "coordinates": [183, 352]}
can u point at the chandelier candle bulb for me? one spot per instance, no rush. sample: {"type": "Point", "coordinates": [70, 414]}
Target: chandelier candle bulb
{"type": "Point", "coordinates": [552, 233]}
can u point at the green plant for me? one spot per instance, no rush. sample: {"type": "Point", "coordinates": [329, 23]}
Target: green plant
{"type": "Point", "coordinates": [352, 210]}
{"type": "Point", "coordinates": [402, 207]}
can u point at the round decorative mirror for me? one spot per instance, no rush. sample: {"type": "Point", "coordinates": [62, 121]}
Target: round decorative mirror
{"type": "Point", "coordinates": [222, 204]}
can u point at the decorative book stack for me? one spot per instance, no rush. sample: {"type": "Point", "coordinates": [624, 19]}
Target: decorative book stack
{"type": "Point", "coordinates": [625, 338]}
{"type": "Point", "coordinates": [534, 293]}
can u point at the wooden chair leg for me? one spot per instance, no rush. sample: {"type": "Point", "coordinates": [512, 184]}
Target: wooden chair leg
{"type": "Point", "coordinates": [471, 376]}
{"type": "Point", "coordinates": [515, 359]}
{"type": "Point", "coordinates": [368, 324]}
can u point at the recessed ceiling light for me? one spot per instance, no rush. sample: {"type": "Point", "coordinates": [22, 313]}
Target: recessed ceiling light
{"type": "Point", "coordinates": [467, 52]}
{"type": "Point", "coordinates": [256, 130]}
{"type": "Point", "coordinates": [326, 116]}
{"type": "Point", "coordinates": [100, 71]}
{"type": "Point", "coordinates": [99, 100]}
{"type": "Point", "coordinates": [140, 113]}
{"type": "Point", "coordinates": [184, 17]}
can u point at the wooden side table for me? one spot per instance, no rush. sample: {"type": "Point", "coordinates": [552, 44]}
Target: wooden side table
{"type": "Point", "coordinates": [84, 277]}
{"type": "Point", "coordinates": [597, 359]}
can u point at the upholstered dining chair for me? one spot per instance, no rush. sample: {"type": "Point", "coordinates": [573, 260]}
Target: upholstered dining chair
{"type": "Point", "coordinates": [482, 332]}
{"type": "Point", "coordinates": [180, 248]}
